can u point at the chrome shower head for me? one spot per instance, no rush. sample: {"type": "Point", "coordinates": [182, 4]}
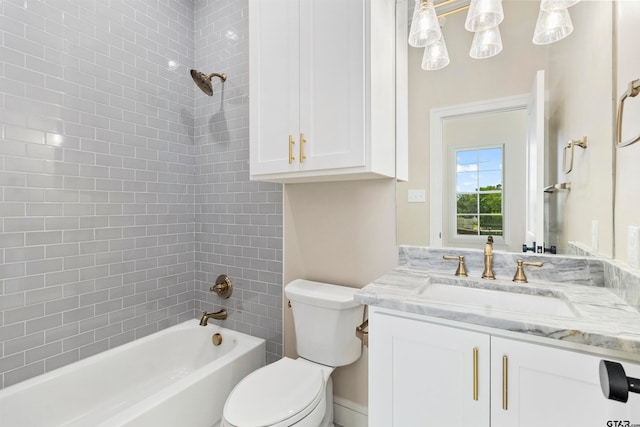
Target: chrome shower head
{"type": "Point", "coordinates": [204, 80]}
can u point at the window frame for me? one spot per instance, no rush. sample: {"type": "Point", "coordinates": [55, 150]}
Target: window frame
{"type": "Point", "coordinates": [451, 172]}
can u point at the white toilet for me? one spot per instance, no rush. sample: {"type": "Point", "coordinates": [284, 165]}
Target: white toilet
{"type": "Point", "coordinates": [299, 392]}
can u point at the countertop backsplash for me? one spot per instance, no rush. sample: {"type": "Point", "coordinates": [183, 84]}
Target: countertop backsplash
{"type": "Point", "coordinates": [557, 268]}
{"type": "Point", "coordinates": [580, 267]}
{"type": "Point", "coordinates": [623, 281]}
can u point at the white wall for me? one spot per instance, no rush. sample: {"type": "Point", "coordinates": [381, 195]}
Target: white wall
{"type": "Point", "coordinates": [341, 233]}
{"type": "Point", "coordinates": [627, 205]}
{"type": "Point", "coordinates": [580, 101]}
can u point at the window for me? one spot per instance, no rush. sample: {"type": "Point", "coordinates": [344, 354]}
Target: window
{"type": "Point", "coordinates": [479, 192]}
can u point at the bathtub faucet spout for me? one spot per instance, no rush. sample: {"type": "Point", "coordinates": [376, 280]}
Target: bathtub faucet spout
{"type": "Point", "coordinates": [218, 315]}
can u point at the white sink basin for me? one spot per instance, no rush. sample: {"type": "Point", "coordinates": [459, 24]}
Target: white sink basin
{"type": "Point", "coordinates": [485, 301]}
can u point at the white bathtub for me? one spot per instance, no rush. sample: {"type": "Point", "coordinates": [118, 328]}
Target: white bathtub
{"type": "Point", "coordinates": [173, 378]}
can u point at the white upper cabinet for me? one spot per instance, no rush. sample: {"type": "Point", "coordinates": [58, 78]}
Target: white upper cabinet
{"type": "Point", "coordinates": [322, 87]}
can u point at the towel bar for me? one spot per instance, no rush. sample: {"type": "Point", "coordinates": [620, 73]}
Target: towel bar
{"type": "Point", "coordinates": [634, 89]}
{"type": "Point", "coordinates": [582, 143]}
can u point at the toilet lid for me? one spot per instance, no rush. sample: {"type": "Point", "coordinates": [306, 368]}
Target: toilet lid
{"type": "Point", "coordinates": [274, 393]}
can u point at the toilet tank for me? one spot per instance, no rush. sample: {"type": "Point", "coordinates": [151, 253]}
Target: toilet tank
{"type": "Point", "coordinates": [325, 318]}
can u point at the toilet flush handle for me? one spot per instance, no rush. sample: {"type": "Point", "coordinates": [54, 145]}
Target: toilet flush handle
{"type": "Point", "coordinates": [362, 334]}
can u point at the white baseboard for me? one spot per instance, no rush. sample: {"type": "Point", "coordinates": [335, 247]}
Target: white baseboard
{"type": "Point", "coordinates": [349, 414]}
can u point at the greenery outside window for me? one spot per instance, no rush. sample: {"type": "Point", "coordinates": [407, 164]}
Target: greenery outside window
{"type": "Point", "coordinates": [479, 192]}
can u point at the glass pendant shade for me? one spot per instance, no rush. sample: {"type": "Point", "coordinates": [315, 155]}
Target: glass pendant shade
{"type": "Point", "coordinates": [424, 25]}
{"type": "Point", "coordinates": [549, 5]}
{"type": "Point", "coordinates": [436, 56]}
{"type": "Point", "coordinates": [552, 26]}
{"type": "Point", "coordinates": [486, 43]}
{"type": "Point", "coordinates": [484, 14]}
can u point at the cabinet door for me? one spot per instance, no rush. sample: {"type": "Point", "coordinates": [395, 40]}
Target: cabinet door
{"type": "Point", "coordinates": [421, 374]}
{"type": "Point", "coordinates": [274, 84]}
{"type": "Point", "coordinates": [332, 83]}
{"type": "Point", "coordinates": [553, 387]}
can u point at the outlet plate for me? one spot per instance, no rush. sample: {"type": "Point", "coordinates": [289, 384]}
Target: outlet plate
{"type": "Point", "coordinates": [417, 196]}
{"type": "Point", "coordinates": [633, 246]}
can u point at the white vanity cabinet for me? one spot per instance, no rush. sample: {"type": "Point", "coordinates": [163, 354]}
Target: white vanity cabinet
{"type": "Point", "coordinates": [423, 374]}
{"type": "Point", "coordinates": [322, 89]}
{"type": "Point", "coordinates": [549, 386]}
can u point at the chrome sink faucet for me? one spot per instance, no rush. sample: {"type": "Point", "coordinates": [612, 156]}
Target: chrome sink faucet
{"type": "Point", "coordinates": [488, 260]}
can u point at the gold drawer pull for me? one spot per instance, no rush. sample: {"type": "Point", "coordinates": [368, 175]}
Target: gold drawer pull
{"type": "Point", "coordinates": [302, 142]}
{"type": "Point", "coordinates": [475, 373]}
{"type": "Point", "coordinates": [291, 143]}
{"type": "Point", "coordinates": [505, 382]}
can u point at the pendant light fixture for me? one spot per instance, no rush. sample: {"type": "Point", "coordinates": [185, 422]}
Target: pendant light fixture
{"type": "Point", "coordinates": [424, 24]}
{"type": "Point", "coordinates": [557, 4]}
{"type": "Point", "coordinates": [483, 19]}
{"type": "Point", "coordinates": [436, 55]}
{"type": "Point", "coordinates": [552, 26]}
{"type": "Point", "coordinates": [484, 14]}
{"type": "Point", "coordinates": [486, 43]}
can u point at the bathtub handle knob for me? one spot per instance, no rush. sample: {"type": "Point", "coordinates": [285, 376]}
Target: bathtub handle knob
{"type": "Point", "coordinates": [223, 286]}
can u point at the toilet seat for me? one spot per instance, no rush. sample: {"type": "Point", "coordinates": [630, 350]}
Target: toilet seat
{"type": "Point", "coordinates": [276, 395]}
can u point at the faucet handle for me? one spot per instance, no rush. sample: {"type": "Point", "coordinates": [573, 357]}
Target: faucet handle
{"type": "Point", "coordinates": [520, 277]}
{"type": "Point", "coordinates": [461, 270]}
{"type": "Point", "coordinates": [223, 286]}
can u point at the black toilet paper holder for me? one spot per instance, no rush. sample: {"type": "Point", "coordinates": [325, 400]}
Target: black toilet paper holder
{"type": "Point", "coordinates": [615, 383]}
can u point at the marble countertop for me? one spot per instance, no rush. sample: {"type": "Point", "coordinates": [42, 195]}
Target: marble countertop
{"type": "Point", "coordinates": [600, 318]}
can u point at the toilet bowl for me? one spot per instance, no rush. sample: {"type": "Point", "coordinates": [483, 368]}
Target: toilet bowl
{"type": "Point", "coordinates": [286, 393]}
{"type": "Point", "coordinates": [299, 392]}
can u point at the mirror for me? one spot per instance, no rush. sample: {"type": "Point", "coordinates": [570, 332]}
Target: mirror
{"type": "Point", "coordinates": [578, 101]}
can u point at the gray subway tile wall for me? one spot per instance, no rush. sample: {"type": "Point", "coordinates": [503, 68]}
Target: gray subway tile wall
{"type": "Point", "coordinates": [238, 222]}
{"type": "Point", "coordinates": [123, 191]}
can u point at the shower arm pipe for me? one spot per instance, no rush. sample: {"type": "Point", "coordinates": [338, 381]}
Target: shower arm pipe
{"type": "Point", "coordinates": [582, 143]}
{"type": "Point", "coordinates": [222, 77]}
{"type": "Point", "coordinates": [634, 89]}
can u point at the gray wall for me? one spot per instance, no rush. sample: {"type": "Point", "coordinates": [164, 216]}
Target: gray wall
{"type": "Point", "coordinates": [123, 190]}
{"type": "Point", "coordinates": [238, 222]}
